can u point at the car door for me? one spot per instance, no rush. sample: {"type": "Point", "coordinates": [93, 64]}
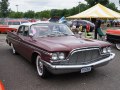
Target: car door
{"type": "Point", "coordinates": [26, 43]}
{"type": "Point", "coordinates": [20, 38]}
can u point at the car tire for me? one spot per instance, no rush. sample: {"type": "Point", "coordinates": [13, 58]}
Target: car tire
{"type": "Point", "coordinates": [117, 46]}
{"type": "Point", "coordinates": [41, 69]}
{"type": "Point", "coordinates": [13, 49]}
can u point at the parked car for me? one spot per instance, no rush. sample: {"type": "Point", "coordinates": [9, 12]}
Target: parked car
{"type": "Point", "coordinates": [113, 36]}
{"type": "Point", "coordinates": [54, 48]}
{"type": "Point", "coordinates": [11, 25]}
{"type": "Point", "coordinates": [15, 23]}
{"type": "Point", "coordinates": [116, 22]}
{"type": "Point", "coordinates": [84, 23]}
{"type": "Point", "coordinates": [6, 28]}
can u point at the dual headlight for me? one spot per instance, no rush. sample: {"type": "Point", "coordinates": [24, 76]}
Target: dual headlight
{"type": "Point", "coordinates": [58, 56]}
{"type": "Point", "coordinates": [106, 50]}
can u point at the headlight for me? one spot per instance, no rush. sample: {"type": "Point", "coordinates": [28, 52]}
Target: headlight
{"type": "Point", "coordinates": [106, 50]}
{"type": "Point", "coordinates": [54, 56]}
{"type": "Point", "coordinates": [61, 56]}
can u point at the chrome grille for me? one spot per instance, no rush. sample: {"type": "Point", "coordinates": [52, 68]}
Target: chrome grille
{"type": "Point", "coordinates": [84, 56]}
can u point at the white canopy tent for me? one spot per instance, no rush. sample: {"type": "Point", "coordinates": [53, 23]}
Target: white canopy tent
{"type": "Point", "coordinates": [97, 11]}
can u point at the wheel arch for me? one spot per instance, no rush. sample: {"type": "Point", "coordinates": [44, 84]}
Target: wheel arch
{"type": "Point", "coordinates": [34, 56]}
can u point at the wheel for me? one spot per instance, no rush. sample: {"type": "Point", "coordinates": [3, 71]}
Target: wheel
{"type": "Point", "coordinates": [13, 49]}
{"type": "Point", "coordinates": [41, 69]}
{"type": "Point", "coordinates": [118, 46]}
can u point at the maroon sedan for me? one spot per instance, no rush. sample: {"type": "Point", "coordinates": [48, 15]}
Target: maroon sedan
{"type": "Point", "coordinates": [54, 48]}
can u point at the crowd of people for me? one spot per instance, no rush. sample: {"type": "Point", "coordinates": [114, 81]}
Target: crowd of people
{"type": "Point", "coordinates": [97, 29]}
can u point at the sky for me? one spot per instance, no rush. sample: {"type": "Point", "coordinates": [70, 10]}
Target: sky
{"type": "Point", "coordinates": [40, 5]}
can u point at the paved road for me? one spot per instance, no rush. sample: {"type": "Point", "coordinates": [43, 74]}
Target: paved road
{"type": "Point", "coordinates": [19, 74]}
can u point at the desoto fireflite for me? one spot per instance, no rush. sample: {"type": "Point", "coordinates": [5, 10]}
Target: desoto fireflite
{"type": "Point", "coordinates": [54, 48]}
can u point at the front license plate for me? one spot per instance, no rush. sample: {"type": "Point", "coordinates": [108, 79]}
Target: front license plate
{"type": "Point", "coordinates": [85, 69]}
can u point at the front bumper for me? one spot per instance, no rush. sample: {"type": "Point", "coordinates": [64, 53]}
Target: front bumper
{"type": "Point", "coordinates": [59, 69]}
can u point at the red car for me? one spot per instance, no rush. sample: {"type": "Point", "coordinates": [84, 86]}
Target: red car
{"type": "Point", "coordinates": [11, 25]}
{"type": "Point", "coordinates": [6, 28]}
{"type": "Point", "coordinates": [54, 48]}
{"type": "Point", "coordinates": [113, 36]}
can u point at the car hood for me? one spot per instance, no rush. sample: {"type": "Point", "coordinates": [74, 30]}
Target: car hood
{"type": "Point", "coordinates": [67, 43]}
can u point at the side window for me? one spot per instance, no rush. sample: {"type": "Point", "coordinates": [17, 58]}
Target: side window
{"type": "Point", "coordinates": [20, 30]}
{"type": "Point", "coordinates": [26, 29]}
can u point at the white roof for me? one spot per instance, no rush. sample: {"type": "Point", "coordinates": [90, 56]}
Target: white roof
{"type": "Point", "coordinates": [31, 23]}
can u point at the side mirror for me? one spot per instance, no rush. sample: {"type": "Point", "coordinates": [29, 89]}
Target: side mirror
{"type": "Point", "coordinates": [31, 35]}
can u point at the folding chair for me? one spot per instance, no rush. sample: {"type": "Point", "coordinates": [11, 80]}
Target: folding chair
{"type": "Point", "coordinates": [101, 34]}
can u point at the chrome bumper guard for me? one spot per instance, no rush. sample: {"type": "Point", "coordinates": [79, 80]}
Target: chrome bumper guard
{"type": "Point", "coordinates": [112, 55]}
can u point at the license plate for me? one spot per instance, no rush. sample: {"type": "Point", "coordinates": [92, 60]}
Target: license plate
{"type": "Point", "coordinates": [85, 69]}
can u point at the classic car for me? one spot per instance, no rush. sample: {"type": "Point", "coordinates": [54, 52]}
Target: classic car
{"type": "Point", "coordinates": [55, 49]}
{"type": "Point", "coordinates": [15, 23]}
{"type": "Point", "coordinates": [11, 25]}
{"type": "Point", "coordinates": [113, 36]}
{"type": "Point", "coordinates": [84, 24]}
{"type": "Point", "coordinates": [6, 28]}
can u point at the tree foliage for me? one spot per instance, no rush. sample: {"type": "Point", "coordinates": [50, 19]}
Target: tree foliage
{"type": "Point", "coordinates": [94, 2]}
{"type": "Point", "coordinates": [4, 8]}
{"type": "Point", "coordinates": [6, 12]}
{"type": "Point", "coordinates": [29, 14]}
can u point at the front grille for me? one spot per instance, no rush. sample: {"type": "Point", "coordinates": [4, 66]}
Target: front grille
{"type": "Point", "coordinates": [84, 56]}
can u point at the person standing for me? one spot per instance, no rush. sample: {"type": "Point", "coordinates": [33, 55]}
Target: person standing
{"type": "Point", "coordinates": [97, 26]}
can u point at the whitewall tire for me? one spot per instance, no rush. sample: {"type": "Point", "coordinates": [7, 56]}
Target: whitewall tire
{"type": "Point", "coordinates": [117, 46]}
{"type": "Point", "coordinates": [13, 49]}
{"type": "Point", "coordinates": [41, 69]}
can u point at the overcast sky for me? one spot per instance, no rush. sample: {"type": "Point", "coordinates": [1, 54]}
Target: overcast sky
{"type": "Point", "coordinates": [39, 5]}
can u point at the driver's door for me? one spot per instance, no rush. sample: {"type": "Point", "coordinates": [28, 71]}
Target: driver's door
{"type": "Point", "coordinates": [25, 43]}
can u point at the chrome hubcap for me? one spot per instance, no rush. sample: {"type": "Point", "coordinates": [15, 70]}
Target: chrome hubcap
{"type": "Point", "coordinates": [39, 66]}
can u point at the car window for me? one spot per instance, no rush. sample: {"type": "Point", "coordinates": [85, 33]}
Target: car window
{"type": "Point", "coordinates": [43, 30]}
{"type": "Point", "coordinates": [25, 29]}
{"type": "Point", "coordinates": [9, 23]}
{"type": "Point", "coordinates": [24, 22]}
{"type": "Point", "coordinates": [20, 30]}
{"type": "Point", "coordinates": [16, 23]}
{"type": "Point", "coordinates": [13, 23]}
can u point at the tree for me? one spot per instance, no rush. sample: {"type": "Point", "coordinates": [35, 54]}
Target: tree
{"type": "Point", "coordinates": [112, 6]}
{"type": "Point", "coordinates": [29, 14]}
{"type": "Point", "coordinates": [4, 8]}
{"type": "Point", "coordinates": [45, 14]}
{"type": "Point", "coordinates": [94, 2]}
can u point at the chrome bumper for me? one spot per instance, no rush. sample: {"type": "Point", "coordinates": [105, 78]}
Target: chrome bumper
{"type": "Point", "coordinates": [71, 68]}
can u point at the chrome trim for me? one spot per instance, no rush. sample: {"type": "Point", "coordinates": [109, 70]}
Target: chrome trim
{"type": "Point", "coordinates": [82, 49]}
{"type": "Point", "coordinates": [112, 55]}
{"type": "Point", "coordinates": [74, 51]}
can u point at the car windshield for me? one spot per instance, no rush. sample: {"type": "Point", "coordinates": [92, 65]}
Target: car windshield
{"type": "Point", "coordinates": [48, 30]}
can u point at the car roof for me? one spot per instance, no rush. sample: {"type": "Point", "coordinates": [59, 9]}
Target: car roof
{"type": "Point", "coordinates": [38, 22]}
{"type": "Point", "coordinates": [16, 20]}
